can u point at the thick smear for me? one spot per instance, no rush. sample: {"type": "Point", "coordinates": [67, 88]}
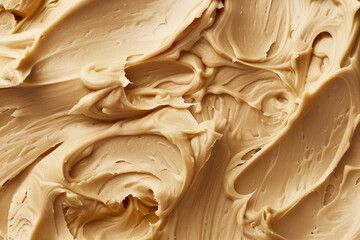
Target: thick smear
{"type": "Point", "coordinates": [179, 119]}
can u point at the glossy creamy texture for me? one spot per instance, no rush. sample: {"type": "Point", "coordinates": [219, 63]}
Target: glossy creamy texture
{"type": "Point", "coordinates": [191, 119]}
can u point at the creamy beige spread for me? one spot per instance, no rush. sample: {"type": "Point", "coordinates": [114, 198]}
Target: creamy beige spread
{"type": "Point", "coordinates": [181, 119]}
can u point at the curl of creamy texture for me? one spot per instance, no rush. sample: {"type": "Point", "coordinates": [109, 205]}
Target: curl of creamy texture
{"type": "Point", "coordinates": [191, 119]}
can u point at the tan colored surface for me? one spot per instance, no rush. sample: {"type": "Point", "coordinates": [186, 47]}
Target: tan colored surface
{"type": "Point", "coordinates": [183, 119]}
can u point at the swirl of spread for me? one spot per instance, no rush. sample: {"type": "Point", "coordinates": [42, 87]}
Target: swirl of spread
{"type": "Point", "coordinates": [184, 119]}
